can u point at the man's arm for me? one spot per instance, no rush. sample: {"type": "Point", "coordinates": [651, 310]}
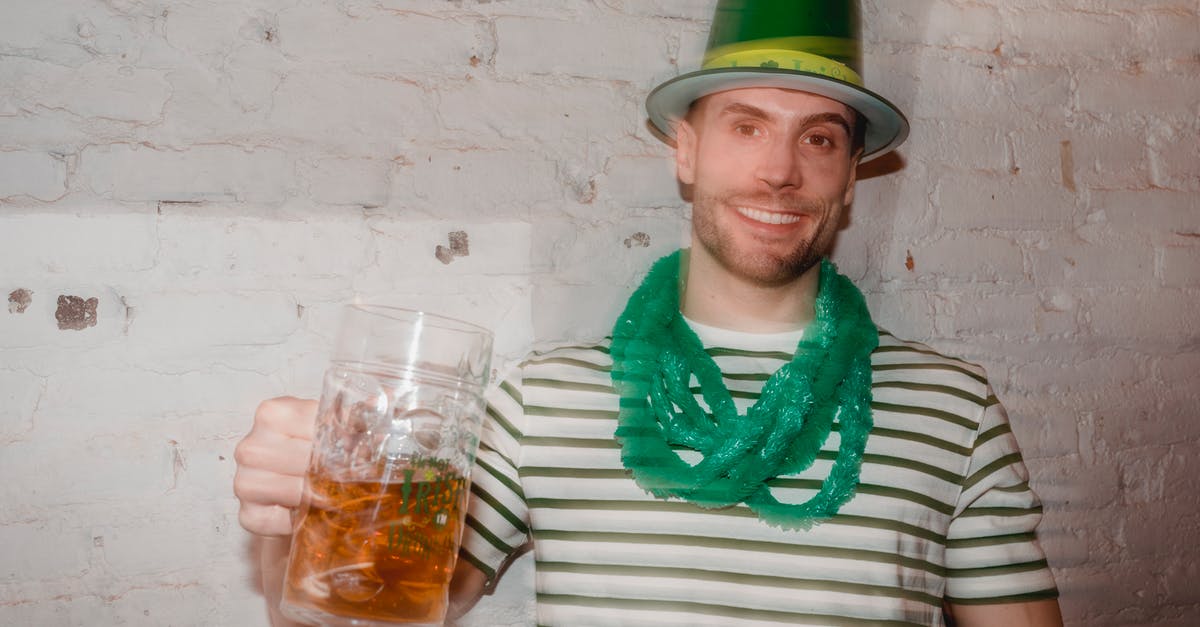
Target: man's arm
{"type": "Point", "coordinates": [1044, 613]}
{"type": "Point", "coordinates": [466, 588]}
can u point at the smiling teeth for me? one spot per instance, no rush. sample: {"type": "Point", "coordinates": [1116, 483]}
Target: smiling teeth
{"type": "Point", "coordinates": [769, 217]}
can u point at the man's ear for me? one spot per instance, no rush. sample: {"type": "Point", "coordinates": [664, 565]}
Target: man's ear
{"type": "Point", "coordinates": [685, 152]}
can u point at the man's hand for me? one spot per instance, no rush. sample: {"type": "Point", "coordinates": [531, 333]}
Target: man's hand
{"type": "Point", "coordinates": [271, 462]}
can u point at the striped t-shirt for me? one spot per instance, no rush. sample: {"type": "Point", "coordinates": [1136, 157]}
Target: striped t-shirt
{"type": "Point", "coordinates": [943, 510]}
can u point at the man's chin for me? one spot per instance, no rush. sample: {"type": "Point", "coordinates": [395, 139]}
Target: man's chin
{"type": "Point", "coordinates": [773, 272]}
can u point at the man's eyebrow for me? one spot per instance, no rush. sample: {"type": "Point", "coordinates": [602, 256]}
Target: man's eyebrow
{"type": "Point", "coordinates": [745, 109]}
{"type": "Point", "coordinates": [816, 118]}
{"type": "Point", "coordinates": [830, 117]}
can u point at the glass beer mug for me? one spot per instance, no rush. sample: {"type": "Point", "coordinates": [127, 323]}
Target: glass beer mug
{"type": "Point", "coordinates": [377, 535]}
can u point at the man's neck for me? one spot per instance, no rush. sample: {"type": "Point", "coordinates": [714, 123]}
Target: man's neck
{"type": "Point", "coordinates": [715, 297]}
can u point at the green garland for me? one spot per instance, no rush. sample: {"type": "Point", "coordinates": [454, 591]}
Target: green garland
{"type": "Point", "coordinates": [655, 354]}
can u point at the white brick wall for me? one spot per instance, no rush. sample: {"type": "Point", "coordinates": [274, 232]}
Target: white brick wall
{"type": "Point", "coordinates": [221, 176]}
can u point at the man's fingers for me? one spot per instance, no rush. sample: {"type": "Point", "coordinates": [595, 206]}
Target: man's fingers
{"type": "Point", "coordinates": [263, 487]}
{"type": "Point", "coordinates": [265, 520]}
{"type": "Point", "coordinates": [269, 450]}
{"type": "Point", "coordinates": [292, 417]}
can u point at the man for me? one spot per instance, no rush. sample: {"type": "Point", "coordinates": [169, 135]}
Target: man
{"type": "Point", "coordinates": [748, 448]}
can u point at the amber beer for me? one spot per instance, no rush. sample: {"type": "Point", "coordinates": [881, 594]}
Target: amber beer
{"type": "Point", "coordinates": [379, 551]}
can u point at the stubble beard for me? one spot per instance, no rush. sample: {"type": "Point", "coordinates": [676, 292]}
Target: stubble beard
{"type": "Point", "coordinates": [761, 266]}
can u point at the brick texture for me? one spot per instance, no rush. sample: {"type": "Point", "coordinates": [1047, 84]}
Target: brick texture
{"type": "Point", "coordinates": [207, 183]}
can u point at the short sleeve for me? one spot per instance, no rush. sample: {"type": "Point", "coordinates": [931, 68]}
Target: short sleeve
{"type": "Point", "coordinates": [992, 551]}
{"type": "Point", "coordinates": [497, 523]}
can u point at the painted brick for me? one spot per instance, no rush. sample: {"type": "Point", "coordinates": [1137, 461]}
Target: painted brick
{"type": "Point", "coordinates": [1178, 371]}
{"type": "Point", "coordinates": [1040, 156]}
{"type": "Point", "coordinates": [1066, 35]}
{"type": "Point", "coordinates": [129, 172]}
{"type": "Point", "coordinates": [216, 105]}
{"type": "Point", "coordinates": [124, 548]}
{"type": "Point", "coordinates": [1173, 153]}
{"type": "Point", "coordinates": [954, 26]}
{"type": "Point", "coordinates": [210, 319]}
{"type": "Point", "coordinates": [342, 181]}
{"type": "Point", "coordinates": [469, 183]}
{"type": "Point", "coordinates": [1111, 157]}
{"type": "Point", "coordinates": [574, 312]}
{"type": "Point", "coordinates": [1044, 90]}
{"type": "Point", "coordinates": [455, 9]}
{"type": "Point", "coordinates": [1144, 474]}
{"type": "Point", "coordinates": [102, 88]}
{"type": "Point", "coordinates": [979, 93]}
{"type": "Point", "coordinates": [59, 552]}
{"type": "Point", "coordinates": [219, 251]}
{"type": "Point", "coordinates": [1007, 314]}
{"type": "Point", "coordinates": [177, 394]}
{"type": "Point", "coordinates": [1158, 211]}
{"type": "Point", "coordinates": [1147, 415]}
{"type": "Point", "coordinates": [58, 611]}
{"type": "Point", "coordinates": [964, 144]}
{"type": "Point", "coordinates": [1082, 375]}
{"type": "Point", "coordinates": [34, 245]}
{"type": "Point", "coordinates": [965, 256]}
{"type": "Point", "coordinates": [48, 31]}
{"type": "Point", "coordinates": [1122, 315]}
{"type": "Point", "coordinates": [1105, 92]}
{"type": "Point", "coordinates": [672, 9]}
{"type": "Point", "coordinates": [146, 605]}
{"type": "Point", "coordinates": [569, 249]}
{"type": "Point", "coordinates": [1181, 267]}
{"type": "Point", "coordinates": [119, 469]}
{"type": "Point", "coordinates": [1058, 314]}
{"type": "Point", "coordinates": [85, 324]}
{"type": "Point", "coordinates": [38, 175]}
{"type": "Point", "coordinates": [907, 314]}
{"type": "Point", "coordinates": [1067, 485]}
{"type": "Point", "coordinates": [905, 16]}
{"type": "Point", "coordinates": [20, 393]}
{"type": "Point", "coordinates": [559, 115]}
{"type": "Point", "coordinates": [495, 248]}
{"type": "Point", "coordinates": [1044, 429]}
{"type": "Point", "coordinates": [337, 109]}
{"type": "Point", "coordinates": [638, 181]}
{"type": "Point", "coordinates": [210, 32]}
{"type": "Point", "coordinates": [1003, 201]}
{"type": "Point", "coordinates": [369, 40]}
{"type": "Point", "coordinates": [1070, 261]}
{"type": "Point", "coordinates": [606, 48]}
{"type": "Point", "coordinates": [1168, 33]}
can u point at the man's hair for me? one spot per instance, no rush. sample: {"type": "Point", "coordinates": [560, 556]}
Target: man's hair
{"type": "Point", "coordinates": [858, 134]}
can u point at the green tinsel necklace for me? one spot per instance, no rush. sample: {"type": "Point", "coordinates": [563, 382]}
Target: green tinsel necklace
{"type": "Point", "coordinates": [655, 353]}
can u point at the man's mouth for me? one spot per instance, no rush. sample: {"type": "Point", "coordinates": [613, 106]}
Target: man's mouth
{"type": "Point", "coordinates": [769, 217]}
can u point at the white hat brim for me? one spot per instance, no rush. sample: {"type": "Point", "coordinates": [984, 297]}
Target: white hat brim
{"type": "Point", "coordinates": [886, 125]}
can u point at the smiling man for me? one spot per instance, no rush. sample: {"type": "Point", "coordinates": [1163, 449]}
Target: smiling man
{"type": "Point", "coordinates": [747, 448]}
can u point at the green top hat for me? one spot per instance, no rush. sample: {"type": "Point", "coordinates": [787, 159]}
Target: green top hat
{"type": "Point", "coordinates": [806, 45]}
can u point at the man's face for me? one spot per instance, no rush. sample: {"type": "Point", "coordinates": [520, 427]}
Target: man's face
{"type": "Point", "coordinates": [771, 171]}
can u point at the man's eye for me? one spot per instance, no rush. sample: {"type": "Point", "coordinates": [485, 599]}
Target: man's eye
{"type": "Point", "coordinates": [818, 140]}
{"type": "Point", "coordinates": [747, 129]}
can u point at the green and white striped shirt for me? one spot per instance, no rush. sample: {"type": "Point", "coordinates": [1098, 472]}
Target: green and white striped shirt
{"type": "Point", "coordinates": [943, 511]}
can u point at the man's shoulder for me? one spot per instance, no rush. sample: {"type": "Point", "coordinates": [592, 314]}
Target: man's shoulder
{"type": "Point", "coordinates": [588, 351]}
{"type": "Point", "coordinates": [564, 358]}
{"type": "Point", "coordinates": [897, 358]}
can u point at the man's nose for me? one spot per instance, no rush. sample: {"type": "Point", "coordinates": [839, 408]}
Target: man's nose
{"type": "Point", "coordinates": [780, 165]}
